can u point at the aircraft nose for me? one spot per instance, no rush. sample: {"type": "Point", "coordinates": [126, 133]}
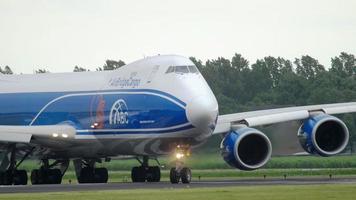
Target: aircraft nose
{"type": "Point", "coordinates": [202, 111]}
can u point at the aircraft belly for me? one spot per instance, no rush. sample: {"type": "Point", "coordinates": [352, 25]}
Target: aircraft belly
{"type": "Point", "coordinates": [110, 148]}
{"type": "Point", "coordinates": [161, 144]}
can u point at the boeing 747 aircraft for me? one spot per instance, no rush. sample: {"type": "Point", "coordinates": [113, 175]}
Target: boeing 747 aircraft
{"type": "Point", "coordinates": [156, 106]}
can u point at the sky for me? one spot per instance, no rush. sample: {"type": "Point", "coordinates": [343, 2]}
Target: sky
{"type": "Point", "coordinates": [60, 34]}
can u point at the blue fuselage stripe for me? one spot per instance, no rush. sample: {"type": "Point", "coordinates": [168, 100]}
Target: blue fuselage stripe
{"type": "Point", "coordinates": [145, 109]}
{"type": "Point", "coordinates": [136, 132]}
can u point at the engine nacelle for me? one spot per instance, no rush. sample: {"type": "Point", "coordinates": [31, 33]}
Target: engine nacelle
{"type": "Point", "coordinates": [246, 148]}
{"type": "Point", "coordinates": [323, 135]}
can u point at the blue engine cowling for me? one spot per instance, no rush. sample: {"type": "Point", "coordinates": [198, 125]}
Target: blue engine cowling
{"type": "Point", "coordinates": [246, 148]}
{"type": "Point", "coordinates": [323, 135]}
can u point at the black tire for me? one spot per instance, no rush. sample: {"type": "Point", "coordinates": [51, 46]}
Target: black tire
{"type": "Point", "coordinates": [35, 177]}
{"type": "Point", "coordinates": [157, 174]}
{"type": "Point", "coordinates": [1, 178]}
{"type": "Point", "coordinates": [86, 175]}
{"type": "Point", "coordinates": [134, 174]}
{"type": "Point", "coordinates": [7, 178]}
{"type": "Point", "coordinates": [174, 176]}
{"type": "Point", "coordinates": [20, 177]}
{"type": "Point", "coordinates": [54, 176]}
{"type": "Point", "coordinates": [186, 175]}
{"type": "Point", "coordinates": [45, 176]}
{"type": "Point", "coordinates": [138, 174]}
{"type": "Point", "coordinates": [153, 174]}
{"type": "Point", "coordinates": [101, 175]}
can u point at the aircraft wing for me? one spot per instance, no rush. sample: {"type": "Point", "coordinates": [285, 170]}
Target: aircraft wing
{"type": "Point", "coordinates": [25, 134]}
{"type": "Point", "coordinates": [272, 116]}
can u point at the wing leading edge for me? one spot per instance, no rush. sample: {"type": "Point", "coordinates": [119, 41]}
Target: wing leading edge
{"type": "Point", "coordinates": [272, 116]}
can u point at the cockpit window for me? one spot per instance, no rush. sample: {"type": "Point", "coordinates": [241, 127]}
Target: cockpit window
{"type": "Point", "coordinates": [193, 69]}
{"type": "Point", "coordinates": [170, 69]}
{"type": "Point", "coordinates": [183, 69]}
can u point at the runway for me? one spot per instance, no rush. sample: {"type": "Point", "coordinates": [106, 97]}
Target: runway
{"type": "Point", "coordinates": [167, 185]}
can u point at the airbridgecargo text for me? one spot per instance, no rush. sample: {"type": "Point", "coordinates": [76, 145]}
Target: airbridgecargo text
{"type": "Point", "coordinates": [125, 82]}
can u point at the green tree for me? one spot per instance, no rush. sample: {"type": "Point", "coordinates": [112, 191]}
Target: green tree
{"type": "Point", "coordinates": [79, 69]}
{"type": "Point", "coordinates": [226, 77]}
{"type": "Point", "coordinates": [260, 78]}
{"type": "Point", "coordinates": [308, 67]}
{"type": "Point", "coordinates": [344, 64]}
{"type": "Point", "coordinates": [197, 63]}
{"type": "Point", "coordinates": [240, 63]}
{"type": "Point", "coordinates": [291, 90]}
{"type": "Point", "coordinates": [6, 70]}
{"type": "Point", "coordinates": [111, 65]}
{"type": "Point", "coordinates": [41, 71]}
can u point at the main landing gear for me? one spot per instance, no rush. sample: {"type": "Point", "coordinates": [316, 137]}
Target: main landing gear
{"type": "Point", "coordinates": [16, 177]}
{"type": "Point", "coordinates": [87, 172]}
{"type": "Point", "coordinates": [9, 174]}
{"type": "Point", "coordinates": [145, 173]}
{"type": "Point", "coordinates": [47, 174]}
{"type": "Point", "coordinates": [180, 172]}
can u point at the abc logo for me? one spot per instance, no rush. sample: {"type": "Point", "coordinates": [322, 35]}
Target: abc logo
{"type": "Point", "coordinates": [119, 113]}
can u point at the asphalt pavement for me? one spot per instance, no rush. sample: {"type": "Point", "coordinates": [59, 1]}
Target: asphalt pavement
{"type": "Point", "coordinates": [167, 185]}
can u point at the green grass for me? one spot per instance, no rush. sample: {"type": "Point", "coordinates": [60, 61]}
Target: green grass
{"type": "Point", "coordinates": [124, 176]}
{"type": "Point", "coordinates": [209, 166]}
{"type": "Point", "coordinates": [215, 161]}
{"type": "Point", "coordinates": [315, 192]}
{"type": "Point", "coordinates": [206, 174]}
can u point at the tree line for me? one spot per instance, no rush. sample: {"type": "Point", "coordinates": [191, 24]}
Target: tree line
{"type": "Point", "coordinates": [270, 82]}
{"type": "Point", "coordinates": [109, 65]}
{"type": "Point", "coordinates": [273, 82]}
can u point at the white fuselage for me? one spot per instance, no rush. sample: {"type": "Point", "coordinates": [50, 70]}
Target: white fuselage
{"type": "Point", "coordinates": [90, 101]}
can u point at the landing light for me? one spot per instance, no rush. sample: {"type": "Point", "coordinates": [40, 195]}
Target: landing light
{"type": "Point", "coordinates": [94, 125]}
{"type": "Point", "coordinates": [64, 135]}
{"type": "Point", "coordinates": [179, 155]}
{"type": "Point", "coordinates": [55, 134]}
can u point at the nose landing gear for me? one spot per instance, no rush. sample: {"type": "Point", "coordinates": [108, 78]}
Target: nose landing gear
{"type": "Point", "coordinates": [183, 174]}
{"type": "Point", "coordinates": [180, 172]}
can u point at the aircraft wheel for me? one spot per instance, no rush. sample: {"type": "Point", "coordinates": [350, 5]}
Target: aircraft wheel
{"type": "Point", "coordinates": [101, 175]}
{"type": "Point", "coordinates": [54, 176]}
{"type": "Point", "coordinates": [86, 175]}
{"type": "Point", "coordinates": [174, 176]}
{"type": "Point", "coordinates": [138, 174]}
{"type": "Point", "coordinates": [6, 178]}
{"type": "Point", "coordinates": [153, 174]}
{"type": "Point", "coordinates": [186, 175]}
{"type": "Point", "coordinates": [38, 176]}
{"type": "Point", "coordinates": [49, 176]}
{"type": "Point", "coordinates": [1, 177]}
{"type": "Point", "coordinates": [20, 177]}
{"type": "Point", "coordinates": [35, 177]}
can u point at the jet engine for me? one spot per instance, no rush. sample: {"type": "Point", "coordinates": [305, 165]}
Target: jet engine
{"type": "Point", "coordinates": [323, 135]}
{"type": "Point", "coordinates": [246, 148]}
